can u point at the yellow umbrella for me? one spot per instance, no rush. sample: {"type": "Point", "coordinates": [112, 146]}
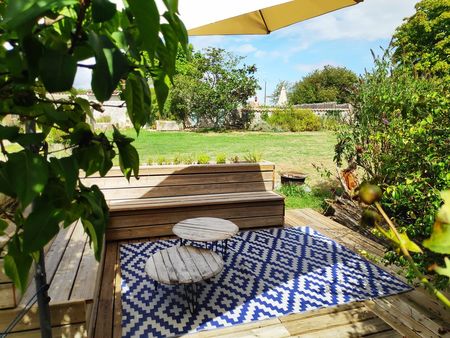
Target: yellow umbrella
{"type": "Point", "coordinates": [267, 19]}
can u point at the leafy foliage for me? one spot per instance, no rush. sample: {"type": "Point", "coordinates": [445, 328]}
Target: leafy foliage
{"type": "Point", "coordinates": [211, 88]}
{"type": "Point", "coordinates": [369, 196]}
{"type": "Point", "coordinates": [294, 119]}
{"type": "Point", "coordinates": [423, 41]}
{"type": "Point", "coordinates": [324, 85]}
{"type": "Point", "coordinates": [42, 45]}
{"type": "Point", "coordinates": [399, 138]}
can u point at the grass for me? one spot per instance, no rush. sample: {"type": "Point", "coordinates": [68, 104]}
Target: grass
{"type": "Point", "coordinates": [298, 197]}
{"type": "Point", "coordinates": [289, 151]}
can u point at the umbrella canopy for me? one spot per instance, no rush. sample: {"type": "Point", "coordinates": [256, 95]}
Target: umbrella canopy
{"type": "Point", "coordinates": [207, 17]}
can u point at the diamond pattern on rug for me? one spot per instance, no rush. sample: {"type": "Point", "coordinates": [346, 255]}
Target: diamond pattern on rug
{"type": "Point", "coordinates": [267, 273]}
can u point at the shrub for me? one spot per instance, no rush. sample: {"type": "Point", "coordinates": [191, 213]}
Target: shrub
{"type": "Point", "coordinates": [332, 120]}
{"type": "Point", "coordinates": [263, 126]}
{"type": "Point", "coordinates": [293, 119]}
{"type": "Point", "coordinates": [399, 138]}
{"type": "Point", "coordinates": [253, 157]}
{"type": "Point", "coordinates": [221, 158]}
{"type": "Point", "coordinates": [103, 119]}
{"type": "Point", "coordinates": [178, 159]}
{"type": "Point", "coordinates": [234, 159]}
{"type": "Point", "coordinates": [160, 160]}
{"type": "Point", "coordinates": [188, 159]}
{"type": "Point", "coordinates": [203, 159]}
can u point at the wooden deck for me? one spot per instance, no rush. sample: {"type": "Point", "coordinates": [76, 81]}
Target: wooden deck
{"type": "Point", "coordinates": [78, 307]}
{"type": "Point", "coordinates": [412, 314]}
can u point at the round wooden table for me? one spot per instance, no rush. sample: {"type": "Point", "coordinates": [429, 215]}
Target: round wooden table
{"type": "Point", "coordinates": [186, 265]}
{"type": "Point", "coordinates": [206, 229]}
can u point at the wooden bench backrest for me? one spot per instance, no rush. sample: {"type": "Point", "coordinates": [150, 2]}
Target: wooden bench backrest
{"type": "Point", "coordinates": [181, 180]}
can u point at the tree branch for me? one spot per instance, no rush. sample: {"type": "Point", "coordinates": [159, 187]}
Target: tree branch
{"type": "Point", "coordinates": [84, 5]}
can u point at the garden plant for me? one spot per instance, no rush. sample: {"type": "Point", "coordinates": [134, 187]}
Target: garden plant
{"type": "Point", "coordinates": [42, 45]}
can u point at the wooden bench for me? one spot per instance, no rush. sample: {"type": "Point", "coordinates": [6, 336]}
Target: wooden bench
{"type": "Point", "coordinates": [165, 195]}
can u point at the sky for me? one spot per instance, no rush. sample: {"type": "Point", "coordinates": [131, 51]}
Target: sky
{"type": "Point", "coordinates": [341, 38]}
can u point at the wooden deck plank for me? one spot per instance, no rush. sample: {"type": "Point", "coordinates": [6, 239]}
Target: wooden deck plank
{"type": "Point", "coordinates": [220, 211]}
{"type": "Point", "coordinates": [352, 329]}
{"type": "Point", "coordinates": [194, 200]}
{"type": "Point", "coordinates": [166, 229]}
{"type": "Point", "coordinates": [105, 310]}
{"type": "Point", "coordinates": [52, 260]}
{"type": "Point", "coordinates": [62, 282]}
{"type": "Point", "coordinates": [236, 329]}
{"type": "Point", "coordinates": [321, 322]}
{"type": "Point", "coordinates": [185, 190]}
{"type": "Point", "coordinates": [193, 169]}
{"type": "Point", "coordinates": [84, 285]}
{"type": "Point", "coordinates": [65, 331]}
{"type": "Point", "coordinates": [61, 314]}
{"type": "Point", "coordinates": [117, 318]}
{"type": "Point", "coordinates": [178, 180]}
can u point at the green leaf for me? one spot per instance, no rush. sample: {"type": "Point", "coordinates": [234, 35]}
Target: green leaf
{"type": "Point", "coordinates": [444, 271]}
{"type": "Point", "coordinates": [41, 226]}
{"type": "Point", "coordinates": [57, 70]}
{"type": "Point", "coordinates": [410, 245]}
{"type": "Point", "coordinates": [26, 140]}
{"type": "Point", "coordinates": [3, 226]}
{"type": "Point", "coordinates": [439, 240]}
{"type": "Point", "coordinates": [137, 97]}
{"type": "Point", "coordinates": [85, 106]}
{"type": "Point", "coordinates": [17, 264]}
{"type": "Point", "coordinates": [443, 214]}
{"type": "Point", "coordinates": [161, 87]}
{"type": "Point", "coordinates": [147, 18]}
{"type": "Point", "coordinates": [171, 46]}
{"type": "Point", "coordinates": [5, 184]}
{"type": "Point", "coordinates": [129, 161]}
{"type": "Point", "coordinates": [25, 12]}
{"type": "Point", "coordinates": [66, 170]}
{"type": "Point", "coordinates": [128, 155]}
{"type": "Point", "coordinates": [8, 133]}
{"type": "Point", "coordinates": [103, 10]}
{"type": "Point", "coordinates": [172, 5]}
{"type": "Point", "coordinates": [33, 49]}
{"type": "Point", "coordinates": [27, 174]}
{"type": "Point", "coordinates": [110, 66]}
{"type": "Point", "coordinates": [90, 158]}
{"type": "Point", "coordinates": [95, 216]}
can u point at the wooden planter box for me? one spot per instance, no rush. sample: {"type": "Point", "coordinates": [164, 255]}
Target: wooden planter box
{"type": "Point", "coordinates": [167, 194]}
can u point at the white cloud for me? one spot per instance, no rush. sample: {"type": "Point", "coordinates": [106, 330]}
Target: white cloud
{"type": "Point", "coordinates": [246, 48]}
{"type": "Point", "coordinates": [369, 20]}
{"type": "Point", "coordinates": [305, 68]}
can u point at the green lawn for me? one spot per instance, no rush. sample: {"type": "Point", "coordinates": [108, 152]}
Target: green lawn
{"type": "Point", "coordinates": [289, 151]}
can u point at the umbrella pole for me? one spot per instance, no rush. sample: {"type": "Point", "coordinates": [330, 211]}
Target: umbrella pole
{"type": "Point", "coordinates": [40, 277]}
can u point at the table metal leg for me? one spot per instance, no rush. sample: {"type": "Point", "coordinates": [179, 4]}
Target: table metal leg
{"type": "Point", "coordinates": [191, 295]}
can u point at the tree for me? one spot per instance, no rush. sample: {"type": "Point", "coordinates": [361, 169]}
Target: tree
{"type": "Point", "coordinates": [423, 40]}
{"type": "Point", "coordinates": [42, 44]}
{"type": "Point", "coordinates": [211, 89]}
{"type": "Point", "coordinates": [324, 85]}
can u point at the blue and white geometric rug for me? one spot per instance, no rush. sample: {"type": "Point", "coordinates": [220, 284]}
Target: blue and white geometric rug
{"type": "Point", "coordinates": [267, 273]}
